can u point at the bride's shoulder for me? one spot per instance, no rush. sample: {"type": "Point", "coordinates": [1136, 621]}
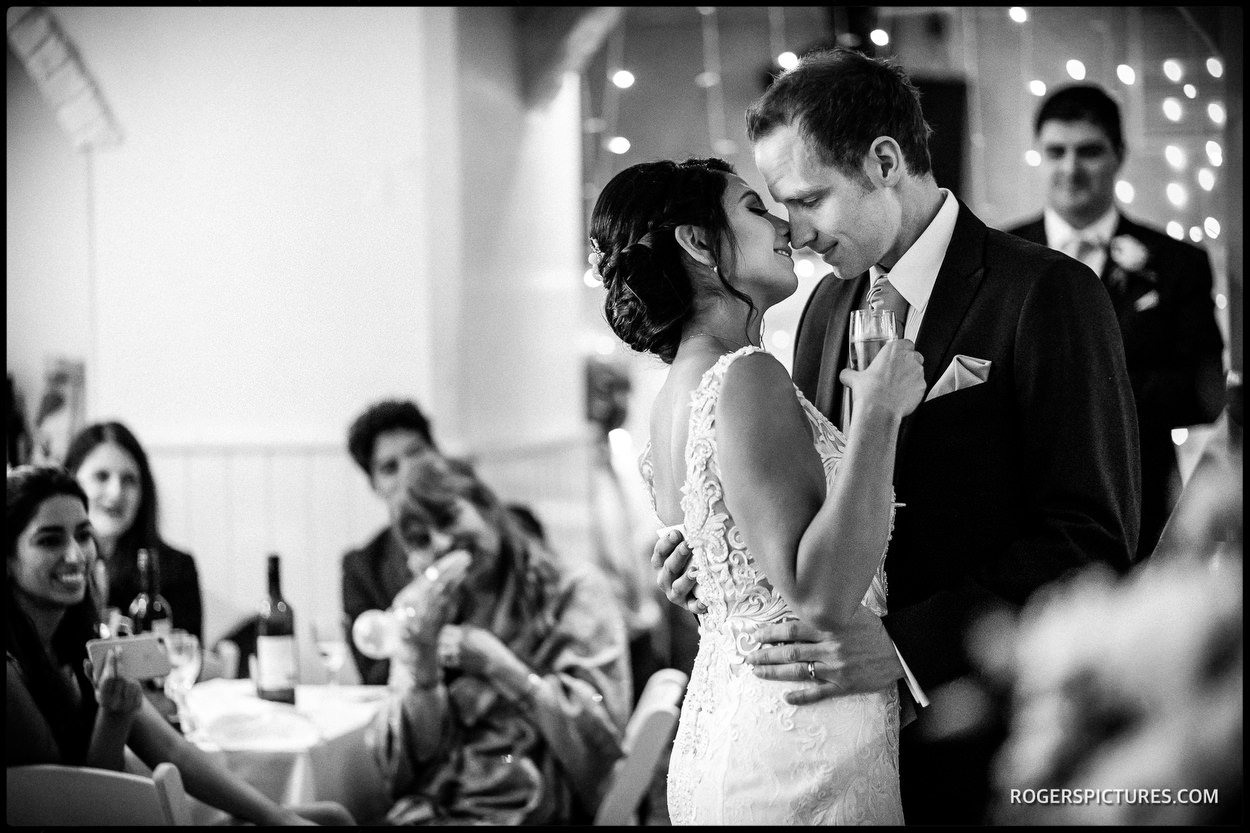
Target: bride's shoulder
{"type": "Point", "coordinates": [755, 377]}
{"type": "Point", "coordinates": [755, 365]}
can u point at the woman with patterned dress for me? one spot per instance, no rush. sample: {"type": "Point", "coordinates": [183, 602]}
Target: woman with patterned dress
{"type": "Point", "coordinates": [787, 518]}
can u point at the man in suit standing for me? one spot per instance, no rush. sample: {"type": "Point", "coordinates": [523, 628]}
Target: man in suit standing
{"type": "Point", "coordinates": [385, 441]}
{"type": "Point", "coordinates": [1160, 287]}
{"type": "Point", "coordinates": [1020, 465]}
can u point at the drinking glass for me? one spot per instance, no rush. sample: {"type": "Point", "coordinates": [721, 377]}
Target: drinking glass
{"type": "Point", "coordinates": [331, 647]}
{"type": "Point", "coordinates": [869, 331]}
{"type": "Point", "coordinates": [184, 660]}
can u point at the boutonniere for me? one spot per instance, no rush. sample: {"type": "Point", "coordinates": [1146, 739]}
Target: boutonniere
{"type": "Point", "coordinates": [1130, 257]}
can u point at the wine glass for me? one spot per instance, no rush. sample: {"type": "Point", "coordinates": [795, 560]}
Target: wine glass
{"type": "Point", "coordinates": [184, 660]}
{"type": "Point", "coordinates": [331, 647]}
{"type": "Point", "coordinates": [869, 332]}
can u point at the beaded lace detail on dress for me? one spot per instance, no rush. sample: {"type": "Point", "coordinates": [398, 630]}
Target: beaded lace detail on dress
{"type": "Point", "coordinates": [742, 754]}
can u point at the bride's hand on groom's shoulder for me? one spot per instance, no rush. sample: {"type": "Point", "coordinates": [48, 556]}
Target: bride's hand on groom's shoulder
{"type": "Point", "coordinates": [670, 558]}
{"type": "Point", "coordinates": [857, 660]}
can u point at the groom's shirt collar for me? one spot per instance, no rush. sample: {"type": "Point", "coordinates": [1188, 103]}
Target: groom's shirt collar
{"type": "Point", "coordinates": [916, 271]}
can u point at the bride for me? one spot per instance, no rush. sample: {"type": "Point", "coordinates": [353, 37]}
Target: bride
{"type": "Point", "coordinates": [785, 516]}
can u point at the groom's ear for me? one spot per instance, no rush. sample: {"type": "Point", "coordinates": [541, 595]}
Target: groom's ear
{"type": "Point", "coordinates": [694, 242]}
{"type": "Point", "coordinates": [885, 161]}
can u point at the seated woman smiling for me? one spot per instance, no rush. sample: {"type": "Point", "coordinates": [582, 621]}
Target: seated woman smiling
{"type": "Point", "coordinates": [115, 474]}
{"type": "Point", "coordinates": [512, 685]}
{"type": "Point", "coordinates": [58, 708]}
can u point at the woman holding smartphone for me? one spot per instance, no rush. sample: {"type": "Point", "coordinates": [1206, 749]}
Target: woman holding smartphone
{"type": "Point", "coordinates": [59, 709]}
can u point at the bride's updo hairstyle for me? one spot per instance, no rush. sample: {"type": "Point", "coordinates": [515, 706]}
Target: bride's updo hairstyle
{"type": "Point", "coordinates": [643, 267]}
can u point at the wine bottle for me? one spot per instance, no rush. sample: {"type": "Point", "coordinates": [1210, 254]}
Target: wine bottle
{"type": "Point", "coordinates": [149, 612]}
{"type": "Point", "coordinates": [276, 660]}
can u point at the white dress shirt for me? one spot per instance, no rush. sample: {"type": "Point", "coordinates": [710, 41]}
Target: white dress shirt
{"type": "Point", "coordinates": [916, 271]}
{"type": "Point", "coordinates": [1065, 238]}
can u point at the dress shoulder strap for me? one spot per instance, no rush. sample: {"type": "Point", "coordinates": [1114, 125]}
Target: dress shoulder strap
{"type": "Point", "coordinates": [714, 376]}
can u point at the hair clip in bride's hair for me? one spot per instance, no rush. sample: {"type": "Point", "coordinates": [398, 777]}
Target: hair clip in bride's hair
{"type": "Point", "coordinates": [596, 257]}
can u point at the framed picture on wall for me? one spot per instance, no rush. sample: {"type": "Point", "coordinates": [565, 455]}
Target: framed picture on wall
{"type": "Point", "coordinates": [62, 409]}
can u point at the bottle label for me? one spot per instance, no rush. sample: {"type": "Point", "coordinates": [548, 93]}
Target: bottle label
{"type": "Point", "coordinates": [275, 663]}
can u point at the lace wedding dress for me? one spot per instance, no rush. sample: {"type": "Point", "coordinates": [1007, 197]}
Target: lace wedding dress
{"type": "Point", "coordinates": [742, 754]}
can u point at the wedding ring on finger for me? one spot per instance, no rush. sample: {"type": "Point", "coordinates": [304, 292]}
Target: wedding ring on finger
{"type": "Point", "coordinates": [811, 671]}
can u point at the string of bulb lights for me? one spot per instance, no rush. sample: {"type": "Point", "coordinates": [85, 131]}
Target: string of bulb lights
{"type": "Point", "coordinates": [1196, 96]}
{"type": "Point", "coordinates": [618, 79]}
{"type": "Point", "coordinates": [1200, 166]}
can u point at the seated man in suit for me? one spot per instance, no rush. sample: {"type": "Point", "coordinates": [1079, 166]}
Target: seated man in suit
{"type": "Point", "coordinates": [1160, 287]}
{"type": "Point", "coordinates": [384, 441]}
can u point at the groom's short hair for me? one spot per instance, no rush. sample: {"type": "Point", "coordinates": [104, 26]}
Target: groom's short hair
{"type": "Point", "coordinates": [843, 100]}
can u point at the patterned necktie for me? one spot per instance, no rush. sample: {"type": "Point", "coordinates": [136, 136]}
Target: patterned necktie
{"type": "Point", "coordinates": [883, 295]}
{"type": "Point", "coordinates": [1083, 247]}
{"type": "Point", "coordinates": [1085, 250]}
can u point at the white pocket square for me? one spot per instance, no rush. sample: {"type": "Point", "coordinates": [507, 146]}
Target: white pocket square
{"type": "Point", "coordinates": [964, 372]}
{"type": "Point", "coordinates": [1145, 302]}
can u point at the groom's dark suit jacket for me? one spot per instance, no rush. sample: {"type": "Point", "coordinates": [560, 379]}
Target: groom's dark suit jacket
{"type": "Point", "coordinates": [1007, 484]}
{"type": "Point", "coordinates": [1173, 350]}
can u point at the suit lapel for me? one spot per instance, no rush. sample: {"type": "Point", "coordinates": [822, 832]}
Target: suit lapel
{"type": "Point", "coordinates": [957, 283]}
{"type": "Point", "coordinates": [828, 388]}
{"type": "Point", "coordinates": [1122, 226]}
{"type": "Point", "coordinates": [1122, 292]}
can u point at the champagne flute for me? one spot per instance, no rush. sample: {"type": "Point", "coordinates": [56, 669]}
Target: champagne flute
{"type": "Point", "coordinates": [331, 648]}
{"type": "Point", "coordinates": [185, 660]}
{"type": "Point", "coordinates": [869, 332]}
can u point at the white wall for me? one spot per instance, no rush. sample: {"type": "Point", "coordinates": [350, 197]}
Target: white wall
{"type": "Point", "coordinates": [46, 244]}
{"type": "Point", "coordinates": [521, 240]}
{"type": "Point", "coordinates": [258, 271]}
{"type": "Point", "coordinates": [312, 209]}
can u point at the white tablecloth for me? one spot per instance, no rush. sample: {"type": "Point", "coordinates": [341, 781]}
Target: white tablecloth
{"type": "Point", "coordinates": [314, 751]}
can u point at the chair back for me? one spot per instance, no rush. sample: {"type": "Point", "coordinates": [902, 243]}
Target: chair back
{"type": "Point", "coordinates": [52, 795]}
{"type": "Point", "coordinates": [647, 736]}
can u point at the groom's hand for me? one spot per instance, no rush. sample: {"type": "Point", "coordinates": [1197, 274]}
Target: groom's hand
{"type": "Point", "coordinates": [858, 659]}
{"type": "Point", "coordinates": [670, 558]}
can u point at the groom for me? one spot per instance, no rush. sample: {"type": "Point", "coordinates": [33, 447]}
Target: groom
{"type": "Point", "coordinates": [1022, 462]}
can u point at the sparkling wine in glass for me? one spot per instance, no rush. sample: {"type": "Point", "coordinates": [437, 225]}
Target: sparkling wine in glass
{"type": "Point", "coordinates": [331, 648]}
{"type": "Point", "coordinates": [185, 661]}
{"type": "Point", "coordinates": [870, 331]}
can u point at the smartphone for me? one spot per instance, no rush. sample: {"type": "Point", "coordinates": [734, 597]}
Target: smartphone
{"type": "Point", "coordinates": [142, 657]}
